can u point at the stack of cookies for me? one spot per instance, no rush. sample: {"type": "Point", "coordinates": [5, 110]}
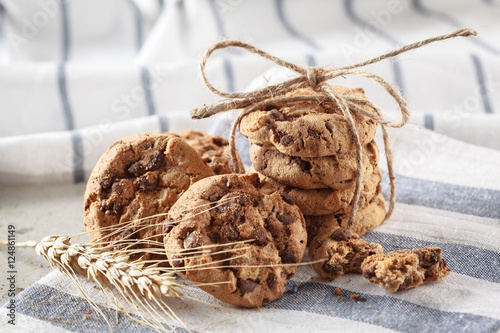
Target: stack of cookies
{"type": "Point", "coordinates": [306, 151]}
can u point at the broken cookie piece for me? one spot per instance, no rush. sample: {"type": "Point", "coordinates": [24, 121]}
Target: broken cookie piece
{"type": "Point", "coordinates": [343, 251]}
{"type": "Point", "coordinates": [405, 269]}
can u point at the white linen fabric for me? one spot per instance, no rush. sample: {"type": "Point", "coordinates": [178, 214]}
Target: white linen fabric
{"type": "Point", "coordinates": [76, 75]}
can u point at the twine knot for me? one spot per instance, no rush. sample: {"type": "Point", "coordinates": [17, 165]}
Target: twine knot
{"type": "Point", "coordinates": [312, 74]}
{"type": "Point", "coordinates": [316, 78]}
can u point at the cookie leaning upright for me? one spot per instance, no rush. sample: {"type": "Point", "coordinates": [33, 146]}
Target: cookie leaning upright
{"type": "Point", "coordinates": [214, 150]}
{"type": "Point", "coordinates": [233, 240]}
{"type": "Point", "coordinates": [137, 177]}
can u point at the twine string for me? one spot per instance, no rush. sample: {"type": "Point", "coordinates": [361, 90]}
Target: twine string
{"type": "Point", "coordinates": [316, 78]}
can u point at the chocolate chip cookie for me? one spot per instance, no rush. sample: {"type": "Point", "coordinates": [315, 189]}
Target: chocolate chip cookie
{"type": "Point", "coordinates": [325, 201]}
{"type": "Point", "coordinates": [137, 177]}
{"type": "Point", "coordinates": [405, 269]}
{"type": "Point", "coordinates": [367, 218]}
{"type": "Point", "coordinates": [336, 171]}
{"type": "Point", "coordinates": [342, 250]}
{"type": "Point", "coordinates": [233, 240]}
{"type": "Point", "coordinates": [214, 150]}
{"type": "Point", "coordinates": [308, 129]}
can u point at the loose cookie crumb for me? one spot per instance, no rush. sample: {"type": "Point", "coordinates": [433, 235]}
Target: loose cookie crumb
{"type": "Point", "coordinates": [357, 298]}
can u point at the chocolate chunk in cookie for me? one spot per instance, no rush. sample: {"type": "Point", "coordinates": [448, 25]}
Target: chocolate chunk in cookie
{"type": "Point", "coordinates": [139, 176]}
{"type": "Point", "coordinates": [214, 150]}
{"type": "Point", "coordinates": [342, 250]}
{"type": "Point", "coordinates": [367, 218]}
{"type": "Point", "coordinates": [243, 238]}
{"type": "Point", "coordinates": [405, 269]}
{"type": "Point", "coordinates": [336, 171]}
{"type": "Point", "coordinates": [327, 200]}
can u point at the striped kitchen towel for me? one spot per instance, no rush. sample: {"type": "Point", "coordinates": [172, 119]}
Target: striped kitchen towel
{"type": "Point", "coordinates": [448, 196]}
{"type": "Point", "coordinates": [76, 75]}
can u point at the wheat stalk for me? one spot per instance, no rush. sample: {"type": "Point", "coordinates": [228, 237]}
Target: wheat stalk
{"type": "Point", "coordinates": [141, 285]}
{"type": "Point", "coordinates": [106, 267]}
{"type": "Point", "coordinates": [114, 270]}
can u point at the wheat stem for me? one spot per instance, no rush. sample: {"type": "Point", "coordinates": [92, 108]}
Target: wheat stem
{"type": "Point", "coordinates": [114, 270]}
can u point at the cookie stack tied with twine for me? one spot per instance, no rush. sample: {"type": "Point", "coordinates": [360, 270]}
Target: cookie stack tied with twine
{"type": "Point", "coordinates": [351, 117]}
{"type": "Point", "coordinates": [305, 150]}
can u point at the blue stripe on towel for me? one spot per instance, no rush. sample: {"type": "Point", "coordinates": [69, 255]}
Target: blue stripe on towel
{"type": "Point", "coordinates": [398, 77]}
{"type": "Point", "coordinates": [311, 61]}
{"type": "Point", "coordinates": [161, 4]}
{"type": "Point", "coordinates": [139, 34]}
{"type": "Point", "coordinates": [2, 32]}
{"type": "Point", "coordinates": [464, 259]}
{"type": "Point", "coordinates": [482, 84]}
{"type": "Point", "coordinates": [218, 18]}
{"type": "Point", "coordinates": [65, 30]}
{"type": "Point", "coordinates": [228, 69]}
{"type": "Point", "coordinates": [384, 311]}
{"type": "Point", "coordinates": [146, 85]}
{"type": "Point", "coordinates": [228, 66]}
{"type": "Point", "coordinates": [429, 121]}
{"type": "Point", "coordinates": [421, 9]}
{"type": "Point", "coordinates": [77, 147]}
{"type": "Point", "coordinates": [454, 198]}
{"type": "Point", "coordinates": [164, 125]}
{"type": "Point", "coordinates": [63, 93]}
{"type": "Point", "coordinates": [73, 313]}
{"type": "Point", "coordinates": [349, 9]}
{"type": "Point", "coordinates": [76, 138]}
{"type": "Point", "coordinates": [290, 29]}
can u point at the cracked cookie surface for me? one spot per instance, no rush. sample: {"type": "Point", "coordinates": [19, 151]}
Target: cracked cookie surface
{"type": "Point", "coordinates": [308, 129]}
{"type": "Point", "coordinates": [342, 250]}
{"type": "Point", "coordinates": [139, 176]}
{"type": "Point", "coordinates": [336, 171]}
{"type": "Point", "coordinates": [325, 201]}
{"type": "Point", "coordinates": [367, 218]}
{"type": "Point", "coordinates": [247, 235]}
{"type": "Point", "coordinates": [214, 150]}
{"type": "Point", "coordinates": [404, 269]}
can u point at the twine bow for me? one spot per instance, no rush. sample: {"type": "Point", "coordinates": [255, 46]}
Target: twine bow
{"type": "Point", "coordinates": [316, 78]}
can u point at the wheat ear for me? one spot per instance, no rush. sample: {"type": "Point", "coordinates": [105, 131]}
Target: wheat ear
{"type": "Point", "coordinates": [114, 270]}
